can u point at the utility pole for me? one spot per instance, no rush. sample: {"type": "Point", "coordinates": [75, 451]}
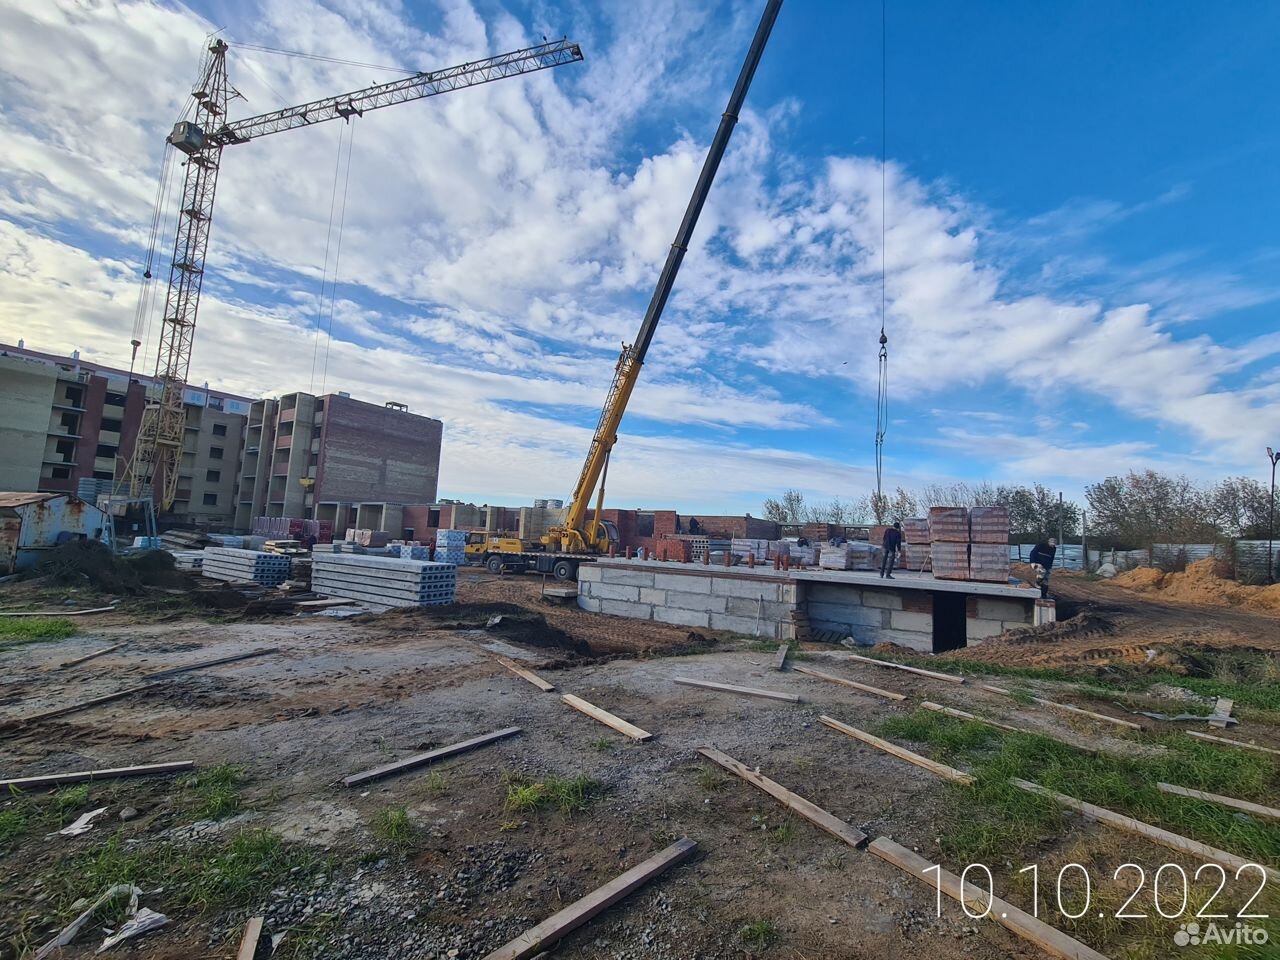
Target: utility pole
{"type": "Point", "coordinates": [1084, 539]}
{"type": "Point", "coordinates": [1062, 543]}
{"type": "Point", "coordinates": [1271, 523]}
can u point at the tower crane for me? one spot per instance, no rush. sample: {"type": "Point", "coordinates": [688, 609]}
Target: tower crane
{"type": "Point", "coordinates": [157, 451]}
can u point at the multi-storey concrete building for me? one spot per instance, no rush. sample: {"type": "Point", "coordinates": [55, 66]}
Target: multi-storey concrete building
{"type": "Point", "coordinates": [64, 419]}
{"type": "Point", "coordinates": [336, 459]}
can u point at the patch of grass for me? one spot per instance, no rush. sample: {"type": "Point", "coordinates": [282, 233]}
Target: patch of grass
{"type": "Point", "coordinates": [566, 794]}
{"type": "Point", "coordinates": [393, 828]}
{"type": "Point", "coordinates": [309, 939]}
{"type": "Point", "coordinates": [783, 833]}
{"type": "Point", "coordinates": [602, 745]}
{"type": "Point", "coordinates": [435, 783]}
{"type": "Point", "coordinates": [506, 826]}
{"type": "Point", "coordinates": [67, 801]}
{"type": "Point", "coordinates": [711, 780]}
{"type": "Point", "coordinates": [19, 630]}
{"type": "Point", "coordinates": [212, 793]}
{"type": "Point", "coordinates": [758, 934]}
{"type": "Point", "coordinates": [13, 824]}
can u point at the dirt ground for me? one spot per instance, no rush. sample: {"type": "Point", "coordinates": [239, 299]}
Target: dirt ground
{"type": "Point", "coordinates": [340, 695]}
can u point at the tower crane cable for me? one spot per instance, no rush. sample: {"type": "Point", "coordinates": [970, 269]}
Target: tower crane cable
{"type": "Point", "coordinates": [337, 262]}
{"type": "Point", "coordinates": [882, 397]}
{"type": "Point", "coordinates": [324, 270]}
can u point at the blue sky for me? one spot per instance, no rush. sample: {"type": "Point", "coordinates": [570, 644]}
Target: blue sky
{"type": "Point", "coordinates": [1080, 232]}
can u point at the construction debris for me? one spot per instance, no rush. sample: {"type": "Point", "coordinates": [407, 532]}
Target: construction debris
{"type": "Point", "coordinates": [431, 756]}
{"type": "Point", "coordinates": [529, 675]}
{"type": "Point", "coordinates": [1053, 704]}
{"type": "Point", "coordinates": [1222, 713]}
{"type": "Point", "coordinates": [234, 658]}
{"type": "Point", "coordinates": [1231, 743]}
{"type": "Point", "coordinates": [92, 656]}
{"type": "Point", "coordinates": [780, 658]}
{"type": "Point", "coordinates": [933, 766]}
{"type": "Point", "coordinates": [932, 674]}
{"type": "Point", "coordinates": [82, 823]}
{"type": "Point", "coordinates": [55, 613]}
{"type": "Point", "coordinates": [83, 705]}
{"type": "Point", "coordinates": [741, 691]}
{"type": "Point", "coordinates": [605, 717]}
{"type": "Point", "coordinates": [1255, 808]}
{"type": "Point", "coordinates": [249, 942]}
{"type": "Point", "coordinates": [865, 688]}
{"type": "Point", "coordinates": [50, 780]}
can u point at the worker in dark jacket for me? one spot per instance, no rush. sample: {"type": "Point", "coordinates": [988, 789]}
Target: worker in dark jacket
{"type": "Point", "coordinates": [1042, 555]}
{"type": "Point", "coordinates": [892, 542]}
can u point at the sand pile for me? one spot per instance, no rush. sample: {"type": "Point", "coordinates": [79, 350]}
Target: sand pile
{"type": "Point", "coordinates": [1203, 582]}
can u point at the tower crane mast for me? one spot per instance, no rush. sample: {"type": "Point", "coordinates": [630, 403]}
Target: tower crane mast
{"type": "Point", "coordinates": [157, 452]}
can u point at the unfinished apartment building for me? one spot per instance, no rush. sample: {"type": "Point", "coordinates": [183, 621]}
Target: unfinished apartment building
{"type": "Point", "coordinates": [332, 458]}
{"type": "Point", "coordinates": [67, 425]}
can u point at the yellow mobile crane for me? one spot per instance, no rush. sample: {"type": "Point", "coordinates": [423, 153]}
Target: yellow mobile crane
{"type": "Point", "coordinates": [577, 539]}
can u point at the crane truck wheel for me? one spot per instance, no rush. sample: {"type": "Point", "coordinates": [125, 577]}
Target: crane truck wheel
{"type": "Point", "coordinates": [494, 564]}
{"type": "Point", "coordinates": [564, 570]}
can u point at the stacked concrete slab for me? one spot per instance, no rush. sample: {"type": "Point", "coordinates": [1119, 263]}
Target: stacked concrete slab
{"type": "Point", "coordinates": [383, 581]}
{"type": "Point", "coordinates": [245, 566]}
{"type": "Point", "coordinates": [451, 546]}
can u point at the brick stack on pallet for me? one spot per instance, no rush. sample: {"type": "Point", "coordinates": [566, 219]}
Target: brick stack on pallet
{"type": "Point", "coordinates": [451, 547]}
{"type": "Point", "coordinates": [853, 555]}
{"type": "Point", "coordinates": [949, 542]}
{"type": "Point", "coordinates": [245, 566]}
{"type": "Point", "coordinates": [383, 581]}
{"type": "Point", "coordinates": [670, 548]}
{"type": "Point", "coordinates": [989, 544]}
{"type": "Point", "coordinates": [742, 546]}
{"type": "Point", "coordinates": [405, 551]}
{"type": "Point", "coordinates": [915, 538]}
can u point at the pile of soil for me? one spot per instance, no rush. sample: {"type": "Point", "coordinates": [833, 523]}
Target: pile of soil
{"type": "Point", "coordinates": [80, 563]}
{"type": "Point", "coordinates": [1204, 583]}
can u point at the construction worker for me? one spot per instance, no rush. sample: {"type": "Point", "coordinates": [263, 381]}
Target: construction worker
{"type": "Point", "coordinates": [891, 543]}
{"type": "Point", "coordinates": [1042, 555]}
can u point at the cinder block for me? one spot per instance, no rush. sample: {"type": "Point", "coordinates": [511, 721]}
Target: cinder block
{"type": "Point", "coordinates": [847, 613]}
{"type": "Point", "coordinates": [917, 601]}
{"type": "Point", "coordinates": [685, 584]}
{"type": "Point", "coordinates": [905, 620]}
{"type": "Point", "coordinates": [979, 629]}
{"type": "Point", "coordinates": [590, 572]}
{"type": "Point", "coordinates": [625, 578]}
{"type": "Point", "coordinates": [789, 593]}
{"type": "Point", "coordinates": [618, 608]}
{"type": "Point", "coordinates": [684, 618]}
{"type": "Point", "coordinates": [587, 603]}
{"type": "Point", "coordinates": [656, 597]}
{"type": "Point", "coordinates": [745, 625]}
{"type": "Point", "coordinates": [882, 598]}
{"type": "Point", "coordinates": [745, 588]}
{"type": "Point", "coordinates": [702, 602]}
{"type": "Point", "coordinates": [830, 593]}
{"type": "Point", "coordinates": [923, 642]}
{"type": "Point", "coordinates": [745, 607]}
{"type": "Point", "coordinates": [584, 587]}
{"type": "Point", "coordinates": [612, 591]}
{"type": "Point", "coordinates": [991, 608]}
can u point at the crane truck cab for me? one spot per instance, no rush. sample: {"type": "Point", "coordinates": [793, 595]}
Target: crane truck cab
{"type": "Point", "coordinates": [498, 553]}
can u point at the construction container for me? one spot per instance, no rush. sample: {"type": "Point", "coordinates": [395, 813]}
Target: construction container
{"type": "Point", "coordinates": [32, 524]}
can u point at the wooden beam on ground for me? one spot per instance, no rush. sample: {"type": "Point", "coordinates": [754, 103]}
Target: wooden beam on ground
{"type": "Point", "coordinates": [54, 613]}
{"type": "Point", "coordinates": [92, 656]}
{"type": "Point", "coordinates": [961, 715]}
{"type": "Point", "coordinates": [249, 943]}
{"type": "Point", "coordinates": [559, 925]}
{"type": "Point", "coordinates": [84, 776]}
{"type": "Point", "coordinates": [1230, 743]}
{"type": "Point", "coordinates": [1053, 704]}
{"type": "Point", "coordinates": [810, 811]}
{"type": "Point", "coordinates": [1245, 805]}
{"type": "Point", "coordinates": [865, 688]}
{"type": "Point", "coordinates": [1052, 941]}
{"type": "Point", "coordinates": [431, 756]}
{"type": "Point", "coordinates": [780, 660]}
{"type": "Point", "coordinates": [83, 705]}
{"type": "Point", "coordinates": [212, 663]}
{"type": "Point", "coordinates": [933, 766]}
{"type": "Point", "coordinates": [529, 675]}
{"type": "Point", "coordinates": [1222, 713]}
{"type": "Point", "coordinates": [605, 717]}
{"type": "Point", "coordinates": [324, 604]}
{"type": "Point", "coordinates": [742, 691]}
{"type": "Point", "coordinates": [932, 674]}
{"type": "Point", "coordinates": [1158, 835]}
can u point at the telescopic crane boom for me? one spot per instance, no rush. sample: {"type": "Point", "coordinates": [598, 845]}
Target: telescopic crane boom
{"type": "Point", "coordinates": [157, 451]}
{"type": "Point", "coordinates": [575, 535]}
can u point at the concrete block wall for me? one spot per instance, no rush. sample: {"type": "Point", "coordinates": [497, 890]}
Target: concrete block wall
{"type": "Point", "coordinates": [871, 615]}
{"type": "Point", "coordinates": [693, 599]}
{"type": "Point", "coordinates": [987, 617]}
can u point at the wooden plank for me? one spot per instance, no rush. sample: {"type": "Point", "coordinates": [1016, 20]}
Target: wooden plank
{"type": "Point", "coordinates": [212, 663]}
{"type": "Point", "coordinates": [249, 943]}
{"type": "Point", "coordinates": [529, 675]}
{"type": "Point", "coordinates": [810, 811]}
{"type": "Point", "coordinates": [1245, 805]}
{"type": "Point", "coordinates": [1052, 941]}
{"type": "Point", "coordinates": [1230, 743]}
{"type": "Point", "coordinates": [901, 666]}
{"type": "Point", "coordinates": [83, 704]}
{"type": "Point", "coordinates": [1222, 713]}
{"type": "Point", "coordinates": [92, 656]}
{"type": "Point", "coordinates": [1158, 835]}
{"type": "Point", "coordinates": [742, 691]}
{"type": "Point", "coordinates": [560, 924]}
{"type": "Point", "coordinates": [961, 715]}
{"type": "Point", "coordinates": [324, 604]}
{"type": "Point", "coordinates": [83, 776]}
{"type": "Point", "coordinates": [605, 717]}
{"type": "Point", "coordinates": [780, 660]}
{"type": "Point", "coordinates": [865, 688]}
{"type": "Point", "coordinates": [1053, 704]}
{"type": "Point", "coordinates": [933, 766]}
{"type": "Point", "coordinates": [55, 613]}
{"type": "Point", "coordinates": [431, 756]}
